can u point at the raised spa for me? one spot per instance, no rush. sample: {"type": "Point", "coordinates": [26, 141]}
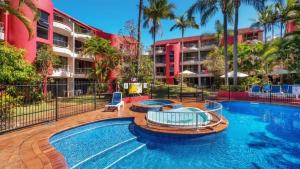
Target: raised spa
{"type": "Point", "coordinates": [154, 105]}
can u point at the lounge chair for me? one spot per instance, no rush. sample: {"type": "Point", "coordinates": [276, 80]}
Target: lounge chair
{"type": "Point", "coordinates": [276, 91]}
{"type": "Point", "coordinates": [116, 102]}
{"type": "Point", "coordinates": [254, 90]}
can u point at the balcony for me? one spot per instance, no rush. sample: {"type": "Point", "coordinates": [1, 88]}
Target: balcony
{"type": "Point", "coordinates": [82, 33]}
{"type": "Point", "coordinates": [62, 27]}
{"type": "Point", "coordinates": [63, 71]}
{"type": "Point", "coordinates": [62, 51]}
{"type": "Point", "coordinates": [82, 72]}
{"type": "Point", "coordinates": [208, 45]}
{"type": "Point", "coordinates": [190, 61]}
{"type": "Point", "coordinates": [1, 31]}
{"type": "Point", "coordinates": [160, 50]}
{"type": "Point", "coordinates": [190, 48]}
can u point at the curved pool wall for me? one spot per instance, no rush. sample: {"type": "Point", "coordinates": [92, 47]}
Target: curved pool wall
{"type": "Point", "coordinates": [154, 105]}
{"type": "Point", "coordinates": [259, 136]}
{"type": "Point", "coordinates": [185, 117]}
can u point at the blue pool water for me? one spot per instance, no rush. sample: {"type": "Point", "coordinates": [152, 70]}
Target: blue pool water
{"type": "Point", "coordinates": [155, 102]}
{"type": "Point", "coordinates": [259, 136]}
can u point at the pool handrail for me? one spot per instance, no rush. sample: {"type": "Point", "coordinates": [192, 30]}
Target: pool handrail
{"type": "Point", "coordinates": [216, 111]}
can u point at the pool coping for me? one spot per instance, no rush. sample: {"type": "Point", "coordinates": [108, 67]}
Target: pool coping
{"type": "Point", "coordinates": [31, 147]}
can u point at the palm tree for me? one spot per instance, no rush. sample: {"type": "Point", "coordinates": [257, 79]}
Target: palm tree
{"type": "Point", "coordinates": [153, 14]}
{"type": "Point", "coordinates": [219, 30]}
{"type": "Point", "coordinates": [237, 4]}
{"type": "Point", "coordinates": [141, 4]}
{"type": "Point", "coordinates": [5, 6]}
{"type": "Point", "coordinates": [263, 21]}
{"type": "Point", "coordinates": [182, 23]}
{"type": "Point", "coordinates": [209, 8]}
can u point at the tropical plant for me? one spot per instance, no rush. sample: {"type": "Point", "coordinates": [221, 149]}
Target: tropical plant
{"type": "Point", "coordinates": [215, 62]}
{"type": "Point", "coordinates": [14, 69]}
{"type": "Point", "coordinates": [263, 20]}
{"type": "Point", "coordinates": [237, 4]}
{"type": "Point", "coordinates": [6, 6]}
{"type": "Point", "coordinates": [183, 23]}
{"type": "Point", "coordinates": [153, 14]}
{"type": "Point", "coordinates": [209, 8]}
{"type": "Point", "coordinates": [106, 58]}
{"type": "Point", "coordinates": [141, 4]}
{"type": "Point", "coordinates": [45, 59]}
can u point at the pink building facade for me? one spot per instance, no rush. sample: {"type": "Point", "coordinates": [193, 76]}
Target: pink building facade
{"type": "Point", "coordinates": [66, 35]}
{"type": "Point", "coordinates": [195, 50]}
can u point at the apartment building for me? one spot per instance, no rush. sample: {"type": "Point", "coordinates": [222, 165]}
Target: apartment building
{"type": "Point", "coordinates": [66, 35]}
{"type": "Point", "coordinates": [195, 50]}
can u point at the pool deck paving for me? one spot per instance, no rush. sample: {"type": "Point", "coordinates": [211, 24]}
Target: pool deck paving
{"type": "Point", "coordinates": [30, 148]}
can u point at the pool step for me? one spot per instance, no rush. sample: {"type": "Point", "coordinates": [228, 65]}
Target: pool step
{"type": "Point", "coordinates": [107, 159]}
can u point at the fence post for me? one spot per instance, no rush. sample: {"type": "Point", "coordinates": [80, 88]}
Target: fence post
{"type": "Point", "coordinates": [168, 92]}
{"type": "Point", "coordinates": [151, 90]}
{"type": "Point", "coordinates": [229, 90]}
{"type": "Point", "coordinates": [95, 102]}
{"type": "Point", "coordinates": [56, 100]}
{"type": "Point", "coordinates": [202, 93]}
{"type": "Point", "coordinates": [270, 96]}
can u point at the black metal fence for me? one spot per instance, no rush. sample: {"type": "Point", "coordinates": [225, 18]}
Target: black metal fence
{"type": "Point", "coordinates": [26, 105]}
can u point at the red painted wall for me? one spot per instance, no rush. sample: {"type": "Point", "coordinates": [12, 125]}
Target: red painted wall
{"type": "Point", "coordinates": [291, 27]}
{"type": "Point", "coordinates": [176, 49]}
{"type": "Point", "coordinates": [18, 35]}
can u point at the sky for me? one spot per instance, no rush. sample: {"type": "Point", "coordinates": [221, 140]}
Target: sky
{"type": "Point", "coordinates": [111, 15]}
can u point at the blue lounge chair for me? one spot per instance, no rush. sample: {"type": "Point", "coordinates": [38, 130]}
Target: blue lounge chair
{"type": "Point", "coordinates": [116, 101]}
{"type": "Point", "coordinates": [266, 88]}
{"type": "Point", "coordinates": [276, 90]}
{"type": "Point", "coordinates": [254, 90]}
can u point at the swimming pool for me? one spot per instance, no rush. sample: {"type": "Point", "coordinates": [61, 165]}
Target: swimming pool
{"type": "Point", "coordinates": [156, 102]}
{"type": "Point", "coordinates": [259, 136]}
{"type": "Point", "coordinates": [154, 105]}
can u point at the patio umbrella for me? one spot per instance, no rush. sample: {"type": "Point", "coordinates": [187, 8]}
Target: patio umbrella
{"type": "Point", "coordinates": [281, 72]}
{"type": "Point", "coordinates": [239, 74]}
{"type": "Point", "coordinates": [187, 72]}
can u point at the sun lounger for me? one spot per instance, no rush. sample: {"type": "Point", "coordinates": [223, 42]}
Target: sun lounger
{"type": "Point", "coordinates": [116, 102]}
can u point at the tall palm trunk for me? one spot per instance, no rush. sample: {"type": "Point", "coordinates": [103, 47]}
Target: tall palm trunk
{"type": "Point", "coordinates": [181, 46]}
{"type": "Point", "coordinates": [139, 32]}
{"type": "Point", "coordinates": [265, 33]}
{"type": "Point", "coordinates": [225, 40]}
{"type": "Point", "coordinates": [154, 50]}
{"type": "Point", "coordinates": [235, 50]}
{"type": "Point", "coordinates": [281, 29]}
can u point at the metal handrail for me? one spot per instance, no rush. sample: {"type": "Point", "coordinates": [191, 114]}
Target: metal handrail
{"type": "Point", "coordinates": [167, 118]}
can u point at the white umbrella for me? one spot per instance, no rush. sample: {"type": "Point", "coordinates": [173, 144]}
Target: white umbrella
{"type": "Point", "coordinates": [281, 72]}
{"type": "Point", "coordinates": [239, 74]}
{"type": "Point", "coordinates": [187, 72]}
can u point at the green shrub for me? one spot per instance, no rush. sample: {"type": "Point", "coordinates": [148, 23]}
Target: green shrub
{"type": "Point", "coordinates": [233, 88]}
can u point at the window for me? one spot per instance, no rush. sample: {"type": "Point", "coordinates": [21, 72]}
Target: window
{"type": "Point", "coordinates": [58, 18]}
{"type": "Point", "coordinates": [172, 70]}
{"type": "Point", "coordinates": [78, 46]}
{"type": "Point", "coordinates": [43, 25]}
{"type": "Point", "coordinates": [171, 56]}
{"type": "Point", "coordinates": [160, 71]}
{"type": "Point", "coordinates": [60, 40]}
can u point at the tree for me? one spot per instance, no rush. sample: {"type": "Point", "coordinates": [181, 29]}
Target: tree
{"type": "Point", "coordinates": [14, 69]}
{"type": "Point", "coordinates": [182, 23]}
{"type": "Point", "coordinates": [106, 58]}
{"type": "Point", "coordinates": [153, 14]}
{"type": "Point", "coordinates": [237, 4]}
{"type": "Point", "coordinates": [209, 8]}
{"type": "Point", "coordinates": [263, 21]}
{"type": "Point", "coordinates": [45, 59]}
{"type": "Point", "coordinates": [5, 6]}
{"type": "Point", "coordinates": [215, 62]}
{"type": "Point", "coordinates": [141, 4]}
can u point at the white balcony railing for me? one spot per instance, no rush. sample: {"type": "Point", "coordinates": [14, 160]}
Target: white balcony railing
{"type": "Point", "coordinates": [1, 31]}
{"type": "Point", "coordinates": [63, 71]}
{"type": "Point", "coordinates": [60, 26]}
{"type": "Point", "coordinates": [63, 51]}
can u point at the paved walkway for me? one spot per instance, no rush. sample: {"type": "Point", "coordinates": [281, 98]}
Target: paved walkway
{"type": "Point", "coordinates": [29, 148]}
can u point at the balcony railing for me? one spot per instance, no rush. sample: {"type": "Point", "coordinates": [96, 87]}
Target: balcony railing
{"type": "Point", "coordinates": [84, 71]}
{"type": "Point", "coordinates": [60, 43]}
